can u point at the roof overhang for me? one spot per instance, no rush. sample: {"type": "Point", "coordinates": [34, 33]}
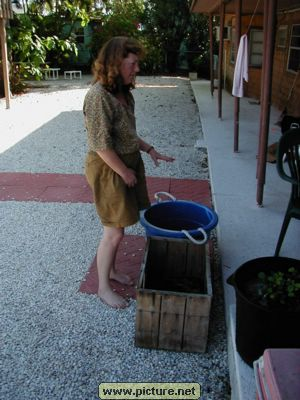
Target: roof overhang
{"type": "Point", "coordinates": [248, 6]}
{"type": "Point", "coordinates": [205, 6]}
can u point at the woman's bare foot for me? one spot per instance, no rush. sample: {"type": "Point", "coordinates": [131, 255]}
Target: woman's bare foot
{"type": "Point", "coordinates": [121, 278]}
{"type": "Point", "coordinates": [112, 299]}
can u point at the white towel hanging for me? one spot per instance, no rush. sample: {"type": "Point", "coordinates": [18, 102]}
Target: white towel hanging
{"type": "Point", "coordinates": [241, 68]}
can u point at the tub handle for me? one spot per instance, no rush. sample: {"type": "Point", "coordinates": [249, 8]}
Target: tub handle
{"type": "Point", "coordinates": [158, 199]}
{"type": "Point", "coordinates": [195, 241]}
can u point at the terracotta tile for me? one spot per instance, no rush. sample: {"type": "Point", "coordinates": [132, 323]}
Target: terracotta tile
{"type": "Point", "coordinates": [66, 194]}
{"type": "Point", "coordinates": [74, 180]}
{"type": "Point", "coordinates": [191, 189]}
{"type": "Point", "coordinates": [20, 193]}
{"type": "Point", "coordinates": [129, 259]}
{"type": "Point", "coordinates": [155, 185]}
{"type": "Point", "coordinates": [74, 188]}
{"type": "Point", "coordinates": [45, 187]}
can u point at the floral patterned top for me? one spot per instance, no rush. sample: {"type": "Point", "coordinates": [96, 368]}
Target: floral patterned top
{"type": "Point", "coordinates": [109, 124]}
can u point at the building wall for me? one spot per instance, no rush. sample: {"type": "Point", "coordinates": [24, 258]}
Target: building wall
{"type": "Point", "coordinates": [83, 41]}
{"type": "Point", "coordinates": [252, 88]}
{"type": "Point", "coordinates": [283, 80]}
{"type": "Point", "coordinates": [286, 84]}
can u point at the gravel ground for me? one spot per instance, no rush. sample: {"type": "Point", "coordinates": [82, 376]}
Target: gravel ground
{"type": "Point", "coordinates": [58, 343]}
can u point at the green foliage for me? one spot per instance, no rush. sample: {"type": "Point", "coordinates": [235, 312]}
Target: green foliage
{"type": "Point", "coordinates": [46, 34]}
{"type": "Point", "coordinates": [154, 60]}
{"type": "Point", "coordinates": [36, 38]}
{"type": "Point", "coordinates": [280, 288]}
{"type": "Point", "coordinates": [117, 18]}
{"type": "Point", "coordinates": [169, 24]}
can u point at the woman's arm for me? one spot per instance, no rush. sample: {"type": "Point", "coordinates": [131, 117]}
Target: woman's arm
{"type": "Point", "coordinates": [111, 158]}
{"type": "Point", "coordinates": [155, 155]}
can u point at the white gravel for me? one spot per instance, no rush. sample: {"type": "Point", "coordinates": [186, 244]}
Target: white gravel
{"type": "Point", "coordinates": [58, 343]}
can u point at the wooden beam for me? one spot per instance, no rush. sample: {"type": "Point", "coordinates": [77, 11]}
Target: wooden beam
{"type": "Point", "coordinates": [211, 54]}
{"type": "Point", "coordinates": [267, 72]}
{"type": "Point", "coordinates": [238, 10]}
{"type": "Point", "coordinates": [221, 46]}
{"type": "Point", "coordinates": [5, 62]}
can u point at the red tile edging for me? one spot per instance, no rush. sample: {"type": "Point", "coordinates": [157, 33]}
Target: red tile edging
{"type": "Point", "coordinates": [47, 187]}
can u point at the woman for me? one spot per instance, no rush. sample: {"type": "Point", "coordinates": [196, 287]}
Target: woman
{"type": "Point", "coordinates": [114, 166]}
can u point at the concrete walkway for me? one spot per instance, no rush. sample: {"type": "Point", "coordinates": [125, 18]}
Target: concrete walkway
{"type": "Point", "coordinates": [245, 231]}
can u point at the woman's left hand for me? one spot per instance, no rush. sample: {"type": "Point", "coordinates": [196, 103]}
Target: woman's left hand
{"type": "Point", "coordinates": [155, 155]}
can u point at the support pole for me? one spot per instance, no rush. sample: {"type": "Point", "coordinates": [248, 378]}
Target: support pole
{"type": "Point", "coordinates": [262, 80]}
{"type": "Point", "coordinates": [270, 8]}
{"type": "Point", "coordinates": [220, 69]}
{"type": "Point", "coordinates": [238, 8]}
{"type": "Point", "coordinates": [211, 53]}
{"type": "Point", "coordinates": [5, 62]}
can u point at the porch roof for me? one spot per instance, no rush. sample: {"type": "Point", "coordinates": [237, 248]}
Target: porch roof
{"type": "Point", "coordinates": [213, 6]}
{"type": "Point", "coordinates": [268, 9]}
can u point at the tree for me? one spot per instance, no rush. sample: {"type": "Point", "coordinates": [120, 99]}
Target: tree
{"type": "Point", "coordinates": [39, 36]}
{"type": "Point", "coordinates": [116, 18]}
{"type": "Point", "coordinates": [169, 23]}
{"type": "Point", "coordinates": [46, 33]}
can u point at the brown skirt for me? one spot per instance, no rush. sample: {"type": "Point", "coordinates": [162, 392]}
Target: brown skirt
{"type": "Point", "coordinates": [117, 205]}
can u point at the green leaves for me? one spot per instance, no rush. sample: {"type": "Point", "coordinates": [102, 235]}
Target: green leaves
{"type": "Point", "coordinates": [51, 32]}
{"type": "Point", "coordinates": [39, 37]}
{"type": "Point", "coordinates": [280, 287]}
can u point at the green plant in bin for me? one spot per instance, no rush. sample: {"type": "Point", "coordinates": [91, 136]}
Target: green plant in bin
{"type": "Point", "coordinates": [278, 289]}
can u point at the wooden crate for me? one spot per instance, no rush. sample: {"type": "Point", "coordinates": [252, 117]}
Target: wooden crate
{"type": "Point", "coordinates": [174, 296]}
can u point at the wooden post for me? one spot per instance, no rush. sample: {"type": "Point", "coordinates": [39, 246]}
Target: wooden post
{"type": "Point", "coordinates": [211, 54]}
{"type": "Point", "coordinates": [262, 80]}
{"type": "Point", "coordinates": [238, 5]}
{"type": "Point", "coordinates": [267, 72]}
{"type": "Point", "coordinates": [220, 69]}
{"type": "Point", "coordinates": [5, 62]}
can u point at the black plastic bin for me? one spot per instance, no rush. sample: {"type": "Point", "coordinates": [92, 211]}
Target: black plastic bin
{"type": "Point", "coordinates": [257, 327]}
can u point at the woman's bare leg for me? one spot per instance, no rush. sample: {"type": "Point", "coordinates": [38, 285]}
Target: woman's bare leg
{"type": "Point", "coordinates": [106, 256]}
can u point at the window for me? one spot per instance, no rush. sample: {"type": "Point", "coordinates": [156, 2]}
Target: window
{"type": "Point", "coordinates": [282, 35]}
{"type": "Point", "coordinates": [80, 36]}
{"type": "Point", "coordinates": [256, 47]}
{"type": "Point", "coordinates": [294, 50]}
{"type": "Point", "coordinates": [232, 46]}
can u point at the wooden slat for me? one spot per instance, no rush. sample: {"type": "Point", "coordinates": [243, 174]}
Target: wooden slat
{"type": "Point", "coordinates": [172, 309]}
{"type": "Point", "coordinates": [196, 323]}
{"type": "Point", "coordinates": [207, 279]}
{"type": "Point", "coordinates": [155, 265]}
{"type": "Point", "coordinates": [176, 261]}
{"type": "Point", "coordinates": [5, 9]}
{"type": "Point", "coordinates": [147, 319]}
{"type": "Point", "coordinates": [195, 260]}
{"type": "Point", "coordinates": [142, 277]}
{"type": "Point", "coordinates": [171, 322]}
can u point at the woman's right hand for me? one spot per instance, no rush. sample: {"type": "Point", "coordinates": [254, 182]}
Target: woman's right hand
{"type": "Point", "coordinates": [111, 158]}
{"type": "Point", "coordinates": [129, 177]}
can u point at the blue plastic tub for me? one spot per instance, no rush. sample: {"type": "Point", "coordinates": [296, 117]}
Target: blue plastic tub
{"type": "Point", "coordinates": [179, 219]}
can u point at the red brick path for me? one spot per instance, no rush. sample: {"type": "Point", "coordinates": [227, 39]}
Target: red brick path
{"type": "Point", "coordinates": [44, 187]}
{"type": "Point", "coordinates": [74, 188]}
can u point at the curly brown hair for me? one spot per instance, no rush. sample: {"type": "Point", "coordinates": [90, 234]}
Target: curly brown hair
{"type": "Point", "coordinates": [106, 68]}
